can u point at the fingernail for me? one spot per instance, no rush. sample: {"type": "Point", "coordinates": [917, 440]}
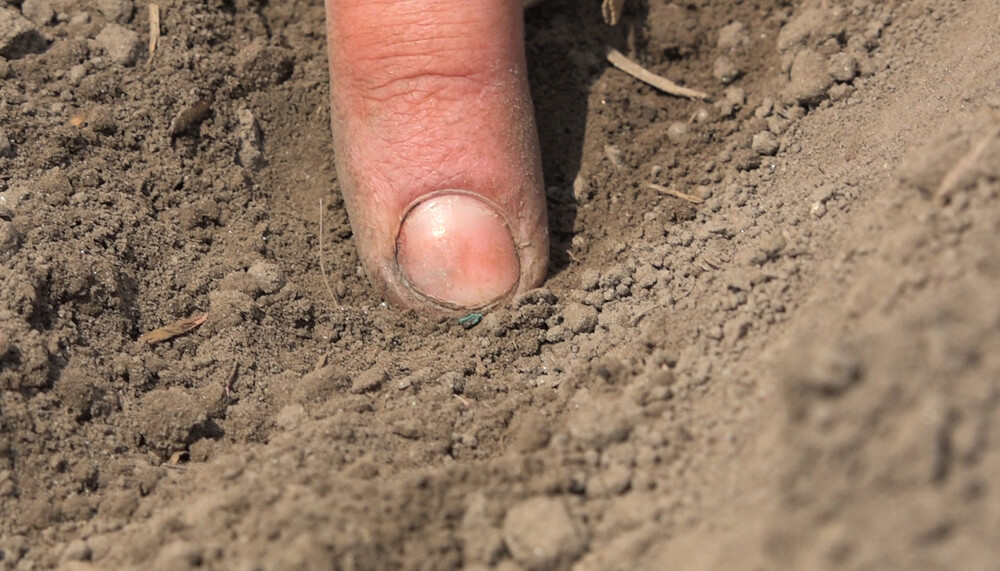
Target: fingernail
{"type": "Point", "coordinates": [456, 250]}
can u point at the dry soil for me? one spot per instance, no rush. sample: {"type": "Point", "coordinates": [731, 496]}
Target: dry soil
{"type": "Point", "coordinates": [799, 372]}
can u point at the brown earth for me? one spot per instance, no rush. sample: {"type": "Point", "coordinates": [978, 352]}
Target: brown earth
{"type": "Point", "coordinates": [800, 372]}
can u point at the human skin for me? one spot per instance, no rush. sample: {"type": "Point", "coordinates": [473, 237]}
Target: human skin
{"type": "Point", "coordinates": [436, 149]}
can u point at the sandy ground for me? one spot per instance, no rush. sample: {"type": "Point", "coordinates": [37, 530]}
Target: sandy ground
{"type": "Point", "coordinates": [800, 371]}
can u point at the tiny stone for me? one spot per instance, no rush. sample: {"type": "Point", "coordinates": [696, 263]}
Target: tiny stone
{"type": "Point", "coordinates": [818, 209]}
{"type": "Point", "coordinates": [290, 416]}
{"type": "Point", "coordinates": [38, 11]}
{"type": "Point", "coordinates": [119, 11]}
{"type": "Point", "coordinates": [80, 19]}
{"type": "Point", "coordinates": [725, 70]}
{"type": "Point", "coordinates": [120, 43]}
{"type": "Point", "coordinates": [677, 133]}
{"type": "Point", "coordinates": [746, 159]}
{"type": "Point", "coordinates": [765, 144]}
{"type": "Point", "coordinates": [809, 78]}
{"type": "Point", "coordinates": [840, 91]}
{"type": "Point", "coordinates": [268, 277]}
{"type": "Point", "coordinates": [18, 35]}
{"type": "Point", "coordinates": [776, 125]}
{"type": "Point", "coordinates": [765, 109]}
{"type": "Point", "coordinates": [540, 534]}
{"type": "Point", "coordinates": [260, 65]}
{"type": "Point", "coordinates": [795, 112]}
{"type": "Point", "coordinates": [843, 67]}
{"type": "Point", "coordinates": [589, 279]}
{"type": "Point", "coordinates": [580, 318]}
{"type": "Point", "coordinates": [76, 73]}
{"type": "Point", "coordinates": [737, 96]}
{"type": "Point", "coordinates": [732, 36]}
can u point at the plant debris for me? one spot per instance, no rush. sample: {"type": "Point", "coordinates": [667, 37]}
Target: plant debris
{"type": "Point", "coordinates": [174, 329]}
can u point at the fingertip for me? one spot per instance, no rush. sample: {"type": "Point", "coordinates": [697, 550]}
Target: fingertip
{"type": "Point", "coordinates": [456, 250]}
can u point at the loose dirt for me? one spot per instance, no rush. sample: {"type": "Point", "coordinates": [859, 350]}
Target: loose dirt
{"type": "Point", "coordinates": [801, 372]}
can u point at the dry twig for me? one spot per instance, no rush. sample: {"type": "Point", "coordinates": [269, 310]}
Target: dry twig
{"type": "Point", "coordinates": [174, 329]}
{"type": "Point", "coordinates": [154, 32]}
{"type": "Point", "coordinates": [618, 59]}
{"type": "Point", "coordinates": [675, 193]}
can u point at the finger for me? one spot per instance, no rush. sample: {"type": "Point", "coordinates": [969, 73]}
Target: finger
{"type": "Point", "coordinates": [436, 149]}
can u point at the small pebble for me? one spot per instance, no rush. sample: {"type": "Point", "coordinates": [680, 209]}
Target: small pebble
{"type": "Point", "coordinates": [268, 277]}
{"type": "Point", "coordinates": [725, 70]}
{"type": "Point", "coordinates": [120, 43]}
{"type": "Point", "coordinates": [580, 318]}
{"type": "Point", "coordinates": [678, 133]}
{"type": "Point", "coordinates": [80, 19]}
{"type": "Point", "coordinates": [818, 209]}
{"type": "Point", "coordinates": [733, 35]}
{"type": "Point", "coordinates": [119, 11]}
{"type": "Point", "coordinates": [843, 67]}
{"type": "Point", "coordinates": [765, 144]}
{"type": "Point", "coordinates": [765, 109]}
{"type": "Point", "coordinates": [840, 91]}
{"type": "Point", "coordinates": [260, 65]}
{"type": "Point", "coordinates": [809, 78]}
{"type": "Point", "coordinates": [540, 534]}
{"type": "Point", "coordinates": [40, 12]}
{"type": "Point", "coordinates": [76, 73]}
{"type": "Point", "coordinates": [737, 96]}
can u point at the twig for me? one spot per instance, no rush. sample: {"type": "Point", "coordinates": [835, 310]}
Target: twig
{"type": "Point", "coordinates": [322, 264]}
{"type": "Point", "coordinates": [675, 193]}
{"type": "Point", "coordinates": [618, 59]}
{"type": "Point", "coordinates": [154, 32]}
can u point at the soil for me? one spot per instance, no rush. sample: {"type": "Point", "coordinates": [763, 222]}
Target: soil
{"type": "Point", "coordinates": [801, 371]}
